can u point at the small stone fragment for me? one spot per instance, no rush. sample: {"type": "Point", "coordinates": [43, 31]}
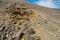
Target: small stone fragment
{"type": "Point", "coordinates": [37, 38]}
{"type": "Point", "coordinates": [4, 36]}
{"type": "Point", "coordinates": [30, 31]}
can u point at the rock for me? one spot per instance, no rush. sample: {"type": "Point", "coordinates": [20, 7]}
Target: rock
{"type": "Point", "coordinates": [27, 37]}
{"type": "Point", "coordinates": [30, 31]}
{"type": "Point", "coordinates": [0, 1]}
{"type": "Point", "coordinates": [37, 38]}
{"type": "Point", "coordinates": [30, 37]}
{"type": "Point", "coordinates": [2, 27]}
{"type": "Point", "coordinates": [3, 36]}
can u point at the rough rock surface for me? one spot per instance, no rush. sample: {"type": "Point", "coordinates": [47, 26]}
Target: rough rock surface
{"type": "Point", "coordinates": [24, 21]}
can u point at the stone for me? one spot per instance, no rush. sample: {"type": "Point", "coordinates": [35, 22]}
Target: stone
{"type": "Point", "coordinates": [37, 38]}
{"type": "Point", "coordinates": [30, 31]}
{"type": "Point", "coordinates": [3, 36]}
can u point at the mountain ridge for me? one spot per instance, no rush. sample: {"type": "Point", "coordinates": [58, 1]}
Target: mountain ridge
{"type": "Point", "coordinates": [21, 20]}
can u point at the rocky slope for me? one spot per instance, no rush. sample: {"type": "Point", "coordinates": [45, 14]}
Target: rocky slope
{"type": "Point", "coordinates": [20, 20]}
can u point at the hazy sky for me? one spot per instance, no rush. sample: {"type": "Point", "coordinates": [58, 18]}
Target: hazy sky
{"type": "Point", "coordinates": [46, 3]}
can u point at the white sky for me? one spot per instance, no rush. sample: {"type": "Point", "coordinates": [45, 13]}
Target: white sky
{"type": "Point", "coordinates": [46, 3]}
